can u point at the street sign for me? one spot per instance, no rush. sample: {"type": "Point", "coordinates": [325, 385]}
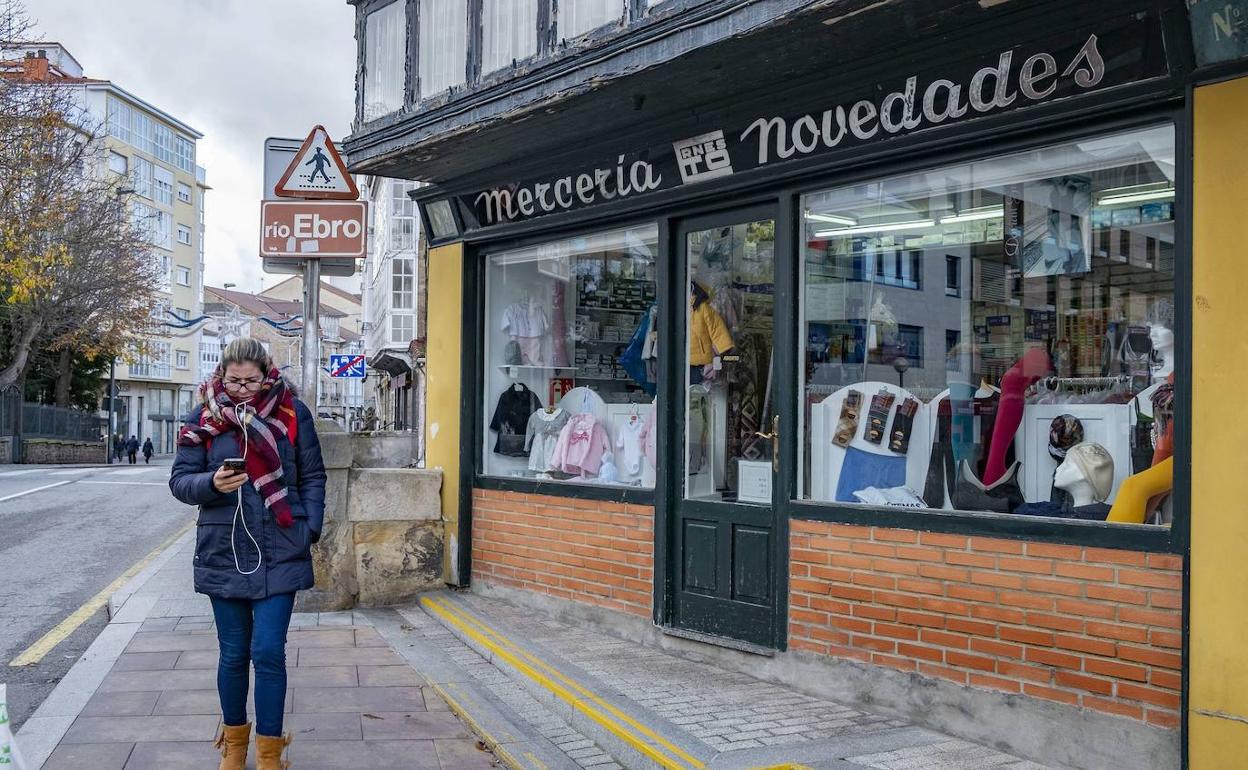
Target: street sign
{"type": "Point", "coordinates": [347, 365]}
{"type": "Point", "coordinates": [312, 229]}
{"type": "Point", "coordinates": [278, 154]}
{"type": "Point", "coordinates": [317, 171]}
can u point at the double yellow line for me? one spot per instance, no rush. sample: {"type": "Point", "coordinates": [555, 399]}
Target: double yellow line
{"type": "Point", "coordinates": [637, 735]}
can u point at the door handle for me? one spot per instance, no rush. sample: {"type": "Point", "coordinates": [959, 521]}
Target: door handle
{"type": "Point", "coordinates": [774, 435]}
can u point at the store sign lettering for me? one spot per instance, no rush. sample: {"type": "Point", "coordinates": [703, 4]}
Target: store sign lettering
{"type": "Point", "coordinates": [991, 88]}
{"type": "Point", "coordinates": [602, 184]}
{"type": "Point", "coordinates": [1063, 65]}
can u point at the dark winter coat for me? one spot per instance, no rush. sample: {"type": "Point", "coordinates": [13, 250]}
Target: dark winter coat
{"type": "Point", "coordinates": [287, 556]}
{"type": "Point", "coordinates": [132, 445]}
{"type": "Point", "coordinates": [148, 448]}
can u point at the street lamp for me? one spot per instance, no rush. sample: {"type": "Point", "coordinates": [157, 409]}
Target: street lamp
{"type": "Point", "coordinates": [228, 285]}
{"type": "Point", "coordinates": [900, 365]}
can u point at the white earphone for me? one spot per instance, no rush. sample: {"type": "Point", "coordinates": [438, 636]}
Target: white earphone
{"type": "Point", "coordinates": [240, 413]}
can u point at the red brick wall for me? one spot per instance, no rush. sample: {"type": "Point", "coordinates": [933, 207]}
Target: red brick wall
{"type": "Point", "coordinates": [1092, 627]}
{"type": "Point", "coordinates": [584, 550]}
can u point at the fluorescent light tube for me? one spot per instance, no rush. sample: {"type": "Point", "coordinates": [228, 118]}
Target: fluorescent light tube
{"type": "Point", "coordinates": [880, 228]}
{"type": "Point", "coordinates": [832, 219]}
{"type": "Point", "coordinates": [974, 215]}
{"type": "Point", "coordinates": [1138, 197]}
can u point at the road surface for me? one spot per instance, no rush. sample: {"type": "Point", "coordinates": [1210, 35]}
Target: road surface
{"type": "Point", "coordinates": [66, 533]}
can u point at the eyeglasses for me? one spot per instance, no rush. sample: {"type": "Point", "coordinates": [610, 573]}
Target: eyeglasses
{"type": "Point", "coordinates": [251, 383]}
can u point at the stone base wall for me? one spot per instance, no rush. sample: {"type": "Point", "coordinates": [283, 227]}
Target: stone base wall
{"type": "Point", "coordinates": [383, 536]}
{"type": "Point", "coordinates": [46, 451]}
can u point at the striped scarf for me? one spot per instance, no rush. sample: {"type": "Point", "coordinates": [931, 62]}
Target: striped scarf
{"type": "Point", "coordinates": [269, 413]}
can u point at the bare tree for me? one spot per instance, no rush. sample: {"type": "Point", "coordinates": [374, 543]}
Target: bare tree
{"type": "Point", "coordinates": [75, 270]}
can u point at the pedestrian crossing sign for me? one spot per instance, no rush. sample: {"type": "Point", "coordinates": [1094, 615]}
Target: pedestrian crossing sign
{"type": "Point", "coordinates": [317, 172]}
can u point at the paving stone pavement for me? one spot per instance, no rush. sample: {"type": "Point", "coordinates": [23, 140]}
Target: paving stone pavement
{"type": "Point", "coordinates": [351, 701]}
{"type": "Point", "coordinates": [729, 711]}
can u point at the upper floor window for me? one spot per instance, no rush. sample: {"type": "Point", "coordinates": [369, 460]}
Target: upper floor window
{"type": "Point", "coordinates": [443, 45]}
{"type": "Point", "coordinates": [403, 283]}
{"type": "Point", "coordinates": [508, 32]}
{"type": "Point", "coordinates": [576, 17]}
{"type": "Point", "coordinates": [118, 162]}
{"type": "Point", "coordinates": [184, 151]}
{"type": "Point", "coordinates": [384, 57]}
{"type": "Point", "coordinates": [184, 235]}
{"type": "Point", "coordinates": [184, 192]}
{"type": "Point", "coordinates": [162, 185]}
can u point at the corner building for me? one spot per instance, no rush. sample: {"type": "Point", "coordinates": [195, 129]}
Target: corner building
{"type": "Point", "coordinates": [882, 342]}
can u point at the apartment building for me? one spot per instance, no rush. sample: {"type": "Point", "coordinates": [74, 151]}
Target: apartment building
{"type": "Point", "coordinates": [392, 291]}
{"type": "Point", "coordinates": [152, 156]}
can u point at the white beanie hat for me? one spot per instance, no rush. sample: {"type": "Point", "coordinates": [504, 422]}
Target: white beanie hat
{"type": "Point", "coordinates": [1097, 466]}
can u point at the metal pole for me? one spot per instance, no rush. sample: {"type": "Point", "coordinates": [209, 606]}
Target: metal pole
{"type": "Point", "coordinates": [311, 333]}
{"type": "Point", "coordinates": [112, 408]}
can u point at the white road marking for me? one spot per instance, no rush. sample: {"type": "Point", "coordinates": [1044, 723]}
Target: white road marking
{"type": "Point", "coordinates": [6, 474]}
{"type": "Point", "coordinates": [131, 471]}
{"type": "Point", "coordinates": [36, 489]}
{"type": "Point", "coordinates": [71, 472]}
{"type": "Point", "coordinates": [128, 483]}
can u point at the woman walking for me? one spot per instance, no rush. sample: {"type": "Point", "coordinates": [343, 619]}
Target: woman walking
{"type": "Point", "coordinates": [147, 451]}
{"type": "Point", "coordinates": [256, 528]}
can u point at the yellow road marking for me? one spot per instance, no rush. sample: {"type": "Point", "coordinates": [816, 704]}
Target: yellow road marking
{"type": "Point", "coordinates": [504, 649]}
{"type": "Point", "coordinates": [36, 652]}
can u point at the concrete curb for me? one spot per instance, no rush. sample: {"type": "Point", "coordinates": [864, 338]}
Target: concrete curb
{"type": "Point", "coordinates": [516, 743]}
{"type": "Point", "coordinates": [41, 733]}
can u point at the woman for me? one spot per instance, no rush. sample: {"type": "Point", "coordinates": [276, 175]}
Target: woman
{"type": "Point", "coordinates": [148, 449]}
{"type": "Point", "coordinates": [256, 527]}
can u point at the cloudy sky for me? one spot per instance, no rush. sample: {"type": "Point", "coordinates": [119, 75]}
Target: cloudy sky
{"type": "Point", "coordinates": [238, 71]}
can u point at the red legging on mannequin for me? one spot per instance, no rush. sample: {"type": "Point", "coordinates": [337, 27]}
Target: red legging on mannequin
{"type": "Point", "coordinates": [1014, 383]}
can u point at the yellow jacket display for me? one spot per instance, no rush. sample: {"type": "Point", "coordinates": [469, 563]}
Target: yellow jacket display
{"type": "Point", "coordinates": [708, 335]}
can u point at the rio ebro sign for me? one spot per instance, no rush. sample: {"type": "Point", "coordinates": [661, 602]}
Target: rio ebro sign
{"type": "Point", "coordinates": [1119, 52]}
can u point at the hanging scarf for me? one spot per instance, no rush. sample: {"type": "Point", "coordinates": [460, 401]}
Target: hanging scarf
{"type": "Point", "coordinates": [270, 413]}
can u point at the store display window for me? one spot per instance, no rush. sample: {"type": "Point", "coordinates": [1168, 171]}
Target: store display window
{"type": "Point", "coordinates": [996, 336]}
{"type": "Point", "coordinates": [571, 357]}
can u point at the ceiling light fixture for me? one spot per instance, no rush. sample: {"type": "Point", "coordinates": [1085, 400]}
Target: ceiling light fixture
{"type": "Point", "coordinates": [832, 219]}
{"type": "Point", "coordinates": [1136, 197]}
{"type": "Point", "coordinates": [878, 228]}
{"type": "Point", "coordinates": [974, 215]}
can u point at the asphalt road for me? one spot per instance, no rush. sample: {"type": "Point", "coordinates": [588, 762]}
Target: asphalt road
{"type": "Point", "coordinates": [62, 545]}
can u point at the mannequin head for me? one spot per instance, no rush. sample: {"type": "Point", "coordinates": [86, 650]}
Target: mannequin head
{"type": "Point", "coordinates": [1087, 474]}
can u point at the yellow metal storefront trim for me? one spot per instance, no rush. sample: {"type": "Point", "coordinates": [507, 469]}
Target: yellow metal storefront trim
{"type": "Point", "coordinates": [443, 351]}
{"type": "Point", "coordinates": [1218, 625]}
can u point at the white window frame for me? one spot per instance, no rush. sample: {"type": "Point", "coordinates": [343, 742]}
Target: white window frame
{"type": "Point", "coordinates": [184, 193]}
{"type": "Point", "coordinates": [184, 234]}
{"type": "Point", "coordinates": [183, 359]}
{"type": "Point", "coordinates": [114, 159]}
{"type": "Point", "coordinates": [184, 275]}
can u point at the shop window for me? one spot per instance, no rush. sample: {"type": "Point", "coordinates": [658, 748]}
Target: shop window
{"type": "Point", "coordinates": [385, 36]}
{"type": "Point", "coordinates": [508, 32]}
{"type": "Point", "coordinates": [576, 17]}
{"type": "Point", "coordinates": [443, 45]}
{"type": "Point", "coordinates": [1054, 396]}
{"type": "Point", "coordinates": [570, 348]}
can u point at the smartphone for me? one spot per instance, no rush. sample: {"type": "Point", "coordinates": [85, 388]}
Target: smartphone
{"type": "Point", "coordinates": [234, 464]}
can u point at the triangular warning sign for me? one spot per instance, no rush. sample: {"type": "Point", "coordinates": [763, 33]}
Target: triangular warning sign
{"type": "Point", "coordinates": [317, 171]}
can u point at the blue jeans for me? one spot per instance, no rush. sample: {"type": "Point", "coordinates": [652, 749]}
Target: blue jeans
{"type": "Point", "coordinates": [253, 632]}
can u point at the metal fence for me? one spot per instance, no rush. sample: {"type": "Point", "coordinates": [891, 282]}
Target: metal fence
{"type": "Point", "coordinates": [43, 421]}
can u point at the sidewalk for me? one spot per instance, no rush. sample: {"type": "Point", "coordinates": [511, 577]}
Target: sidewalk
{"type": "Point", "coordinates": [144, 696]}
{"type": "Point", "coordinates": [421, 687]}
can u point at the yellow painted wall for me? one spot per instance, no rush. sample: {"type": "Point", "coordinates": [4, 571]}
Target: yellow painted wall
{"type": "Point", "coordinates": [1219, 583]}
{"type": "Point", "coordinates": [442, 384]}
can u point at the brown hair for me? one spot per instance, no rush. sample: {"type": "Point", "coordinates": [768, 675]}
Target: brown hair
{"type": "Point", "coordinates": [247, 350]}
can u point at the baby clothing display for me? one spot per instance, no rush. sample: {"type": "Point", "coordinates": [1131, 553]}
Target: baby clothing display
{"type": "Point", "coordinates": [580, 446]}
{"type": "Point", "coordinates": [629, 441]}
{"type": "Point", "coordinates": [607, 473]}
{"type": "Point", "coordinates": [648, 435]}
{"type": "Point", "coordinates": [542, 436]}
{"type": "Point", "coordinates": [511, 420]}
{"type": "Point", "coordinates": [708, 334]}
{"type": "Point", "coordinates": [527, 324]}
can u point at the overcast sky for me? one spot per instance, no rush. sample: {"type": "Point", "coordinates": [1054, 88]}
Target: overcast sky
{"type": "Point", "coordinates": [238, 71]}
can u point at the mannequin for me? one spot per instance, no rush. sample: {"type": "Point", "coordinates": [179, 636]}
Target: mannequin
{"type": "Point", "coordinates": [1087, 474]}
{"type": "Point", "coordinates": [1163, 349]}
{"type": "Point", "coordinates": [1033, 365]}
{"type": "Point", "coordinates": [1134, 496]}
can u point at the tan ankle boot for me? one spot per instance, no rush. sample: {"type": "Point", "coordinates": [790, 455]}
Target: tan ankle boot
{"type": "Point", "coordinates": [269, 752]}
{"type": "Point", "coordinates": [233, 743]}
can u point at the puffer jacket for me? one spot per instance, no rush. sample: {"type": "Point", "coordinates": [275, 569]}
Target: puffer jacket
{"type": "Point", "coordinates": [287, 557]}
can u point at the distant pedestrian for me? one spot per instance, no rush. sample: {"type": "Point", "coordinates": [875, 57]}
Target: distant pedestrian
{"type": "Point", "coordinates": [119, 446]}
{"type": "Point", "coordinates": [148, 449]}
{"type": "Point", "coordinates": [258, 552]}
{"type": "Point", "coordinates": [132, 449]}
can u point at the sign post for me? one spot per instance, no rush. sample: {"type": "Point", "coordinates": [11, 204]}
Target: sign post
{"type": "Point", "coordinates": [324, 221]}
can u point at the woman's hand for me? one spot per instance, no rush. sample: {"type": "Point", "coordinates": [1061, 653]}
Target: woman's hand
{"type": "Point", "coordinates": [226, 480]}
